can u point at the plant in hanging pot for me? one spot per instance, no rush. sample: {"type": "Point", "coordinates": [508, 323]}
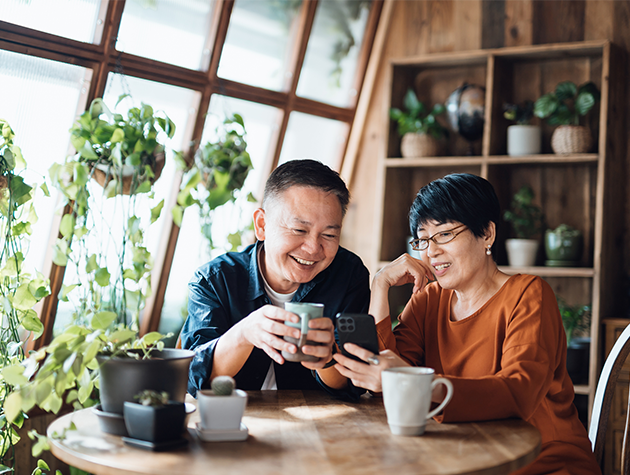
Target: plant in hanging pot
{"type": "Point", "coordinates": [564, 107]}
{"type": "Point", "coordinates": [419, 128]}
{"type": "Point", "coordinates": [215, 178]}
{"type": "Point", "coordinates": [563, 246]}
{"type": "Point", "coordinates": [526, 219]}
{"type": "Point", "coordinates": [103, 231]}
{"type": "Point", "coordinates": [155, 422]}
{"type": "Point", "coordinates": [20, 289]}
{"type": "Point", "coordinates": [523, 138]}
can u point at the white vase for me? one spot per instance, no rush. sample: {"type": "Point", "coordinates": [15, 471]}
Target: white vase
{"type": "Point", "coordinates": [521, 252]}
{"type": "Point", "coordinates": [221, 412]}
{"type": "Point", "coordinates": [523, 140]}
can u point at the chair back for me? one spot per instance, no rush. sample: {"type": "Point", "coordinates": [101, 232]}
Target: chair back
{"type": "Point", "coordinates": [603, 401]}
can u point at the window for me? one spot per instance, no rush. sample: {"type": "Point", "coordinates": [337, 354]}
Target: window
{"type": "Point", "coordinates": [291, 68]}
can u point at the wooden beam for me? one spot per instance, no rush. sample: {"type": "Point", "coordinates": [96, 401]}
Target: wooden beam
{"type": "Point", "coordinates": [372, 70]}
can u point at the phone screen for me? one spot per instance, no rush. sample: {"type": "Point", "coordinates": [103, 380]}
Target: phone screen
{"type": "Point", "coordinates": [359, 329]}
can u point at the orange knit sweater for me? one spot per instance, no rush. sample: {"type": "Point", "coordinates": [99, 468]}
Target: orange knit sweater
{"type": "Point", "coordinates": [506, 360]}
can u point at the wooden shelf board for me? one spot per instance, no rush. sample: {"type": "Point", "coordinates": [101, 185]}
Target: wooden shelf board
{"type": "Point", "coordinates": [582, 389]}
{"type": "Point", "coordinates": [550, 271]}
{"type": "Point", "coordinates": [491, 160]}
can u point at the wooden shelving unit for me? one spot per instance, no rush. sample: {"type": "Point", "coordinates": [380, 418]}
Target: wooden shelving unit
{"type": "Point", "coordinates": [581, 190]}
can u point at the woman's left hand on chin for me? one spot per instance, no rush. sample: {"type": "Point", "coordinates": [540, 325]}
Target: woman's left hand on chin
{"type": "Point", "coordinates": [364, 374]}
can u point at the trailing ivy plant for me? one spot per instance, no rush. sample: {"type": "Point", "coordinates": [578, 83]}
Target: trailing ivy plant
{"type": "Point", "coordinates": [19, 290]}
{"type": "Point", "coordinates": [103, 228]}
{"type": "Point", "coordinates": [216, 177]}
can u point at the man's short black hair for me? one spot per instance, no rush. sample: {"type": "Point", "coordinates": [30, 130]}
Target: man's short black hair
{"type": "Point", "coordinates": [309, 173]}
{"type": "Point", "coordinates": [458, 197]}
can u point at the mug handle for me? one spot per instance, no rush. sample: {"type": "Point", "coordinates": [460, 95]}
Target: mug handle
{"type": "Point", "coordinates": [304, 319]}
{"type": "Point", "coordinates": [447, 399]}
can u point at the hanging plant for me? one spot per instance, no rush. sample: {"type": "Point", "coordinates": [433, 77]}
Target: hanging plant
{"type": "Point", "coordinates": [103, 234]}
{"type": "Point", "coordinates": [19, 290]}
{"type": "Point", "coordinates": [216, 177]}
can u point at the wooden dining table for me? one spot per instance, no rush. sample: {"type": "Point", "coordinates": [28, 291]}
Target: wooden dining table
{"type": "Point", "coordinates": [303, 433]}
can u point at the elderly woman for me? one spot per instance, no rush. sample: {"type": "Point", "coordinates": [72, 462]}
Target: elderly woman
{"type": "Point", "coordinates": [498, 338]}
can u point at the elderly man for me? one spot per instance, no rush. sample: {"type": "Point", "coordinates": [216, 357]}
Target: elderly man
{"type": "Point", "coordinates": [236, 312]}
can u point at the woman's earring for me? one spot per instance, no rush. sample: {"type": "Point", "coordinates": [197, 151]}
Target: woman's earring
{"type": "Point", "coordinates": [488, 251]}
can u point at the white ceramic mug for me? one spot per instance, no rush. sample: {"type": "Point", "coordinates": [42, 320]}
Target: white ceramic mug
{"type": "Point", "coordinates": [407, 398]}
{"type": "Point", "coordinates": [306, 311]}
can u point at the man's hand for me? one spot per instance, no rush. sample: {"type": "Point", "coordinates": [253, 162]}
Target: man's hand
{"type": "Point", "coordinates": [264, 329]}
{"type": "Point", "coordinates": [321, 330]}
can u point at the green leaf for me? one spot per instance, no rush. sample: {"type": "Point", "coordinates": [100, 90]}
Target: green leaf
{"type": "Point", "coordinates": [91, 264]}
{"type": "Point", "coordinates": [44, 188]}
{"type": "Point", "coordinates": [102, 320]}
{"type": "Point", "coordinates": [411, 101]}
{"type": "Point", "coordinates": [152, 338]}
{"type": "Point", "coordinates": [156, 211]}
{"type": "Point", "coordinates": [65, 290]}
{"type": "Point", "coordinates": [133, 160]}
{"type": "Point", "coordinates": [42, 391]}
{"type": "Point", "coordinates": [584, 103]}
{"type": "Point", "coordinates": [23, 299]}
{"type": "Point", "coordinates": [66, 227]}
{"type": "Point", "coordinates": [178, 215]}
{"type": "Point", "coordinates": [13, 406]}
{"type": "Point", "coordinates": [566, 90]}
{"type": "Point", "coordinates": [102, 277]}
{"type": "Point", "coordinates": [33, 324]}
{"type": "Point", "coordinates": [14, 375]}
{"type": "Point", "coordinates": [43, 465]}
{"type": "Point", "coordinates": [545, 106]}
{"type": "Point", "coordinates": [118, 135]}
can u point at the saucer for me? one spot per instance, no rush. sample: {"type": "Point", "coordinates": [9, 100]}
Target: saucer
{"type": "Point", "coordinates": [109, 422]}
{"type": "Point", "coordinates": [222, 435]}
{"type": "Point", "coordinates": [155, 446]}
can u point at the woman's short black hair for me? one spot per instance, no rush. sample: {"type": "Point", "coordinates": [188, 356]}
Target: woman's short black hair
{"type": "Point", "coordinates": [458, 197]}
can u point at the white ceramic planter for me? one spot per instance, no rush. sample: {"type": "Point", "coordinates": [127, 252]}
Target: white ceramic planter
{"type": "Point", "coordinates": [521, 252]}
{"type": "Point", "coordinates": [523, 140]}
{"type": "Point", "coordinates": [221, 412]}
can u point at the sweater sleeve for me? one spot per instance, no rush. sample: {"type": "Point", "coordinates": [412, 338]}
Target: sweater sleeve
{"type": "Point", "coordinates": [529, 362]}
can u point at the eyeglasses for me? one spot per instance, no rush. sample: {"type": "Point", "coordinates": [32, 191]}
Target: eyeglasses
{"type": "Point", "coordinates": [438, 238]}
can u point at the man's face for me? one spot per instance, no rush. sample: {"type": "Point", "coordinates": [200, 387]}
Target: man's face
{"type": "Point", "coordinates": [301, 229]}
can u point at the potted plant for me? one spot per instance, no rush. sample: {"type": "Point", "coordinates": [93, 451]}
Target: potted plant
{"type": "Point", "coordinates": [216, 177]}
{"type": "Point", "coordinates": [564, 107]}
{"type": "Point", "coordinates": [221, 410]}
{"type": "Point", "coordinates": [523, 138]}
{"type": "Point", "coordinates": [563, 246]}
{"type": "Point", "coordinates": [103, 231]}
{"type": "Point", "coordinates": [154, 421]}
{"type": "Point", "coordinates": [20, 289]}
{"type": "Point", "coordinates": [419, 128]}
{"type": "Point", "coordinates": [576, 320]}
{"type": "Point", "coordinates": [526, 219]}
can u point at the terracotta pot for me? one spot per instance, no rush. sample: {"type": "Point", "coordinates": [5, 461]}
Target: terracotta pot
{"type": "Point", "coordinates": [103, 173]}
{"type": "Point", "coordinates": [571, 139]}
{"type": "Point", "coordinates": [420, 145]}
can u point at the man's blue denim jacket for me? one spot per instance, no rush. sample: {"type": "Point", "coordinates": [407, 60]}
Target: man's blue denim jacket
{"type": "Point", "coordinates": [230, 287]}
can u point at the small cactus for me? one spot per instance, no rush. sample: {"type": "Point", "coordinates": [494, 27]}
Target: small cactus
{"type": "Point", "coordinates": [149, 397]}
{"type": "Point", "coordinates": [223, 385]}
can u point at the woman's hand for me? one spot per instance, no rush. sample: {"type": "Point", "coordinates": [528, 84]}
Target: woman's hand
{"type": "Point", "coordinates": [363, 374]}
{"type": "Point", "coordinates": [403, 270]}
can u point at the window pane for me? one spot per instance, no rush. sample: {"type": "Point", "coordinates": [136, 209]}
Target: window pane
{"type": "Point", "coordinates": [40, 104]}
{"type": "Point", "coordinates": [309, 136]}
{"type": "Point", "coordinates": [74, 19]}
{"type": "Point", "coordinates": [333, 48]}
{"type": "Point", "coordinates": [257, 45]}
{"type": "Point", "coordinates": [171, 31]}
{"type": "Point", "coordinates": [192, 248]}
{"type": "Point", "coordinates": [180, 105]}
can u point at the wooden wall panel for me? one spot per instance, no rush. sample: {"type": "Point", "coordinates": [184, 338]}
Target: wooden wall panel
{"type": "Point", "coordinates": [519, 22]}
{"type": "Point", "coordinates": [559, 21]}
{"type": "Point", "coordinates": [493, 30]}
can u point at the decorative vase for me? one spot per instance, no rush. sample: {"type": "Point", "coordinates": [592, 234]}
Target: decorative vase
{"type": "Point", "coordinates": [521, 252]}
{"type": "Point", "coordinates": [523, 140]}
{"type": "Point", "coordinates": [420, 145]}
{"type": "Point", "coordinates": [571, 139]}
{"type": "Point", "coordinates": [121, 378]}
{"type": "Point", "coordinates": [563, 246]}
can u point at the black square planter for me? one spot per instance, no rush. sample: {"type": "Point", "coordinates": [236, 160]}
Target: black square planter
{"type": "Point", "coordinates": [155, 424]}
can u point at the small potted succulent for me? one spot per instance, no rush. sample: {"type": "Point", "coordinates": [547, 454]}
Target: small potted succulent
{"type": "Point", "coordinates": [564, 107]}
{"type": "Point", "coordinates": [421, 133]}
{"type": "Point", "coordinates": [222, 407]}
{"type": "Point", "coordinates": [526, 219]}
{"type": "Point", "coordinates": [563, 246]}
{"type": "Point", "coordinates": [523, 138]}
{"type": "Point", "coordinates": [154, 418]}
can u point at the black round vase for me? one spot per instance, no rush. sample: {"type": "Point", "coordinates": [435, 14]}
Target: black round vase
{"type": "Point", "coordinates": [121, 378]}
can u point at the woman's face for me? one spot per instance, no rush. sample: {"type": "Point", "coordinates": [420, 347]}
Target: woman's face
{"type": "Point", "coordinates": [458, 263]}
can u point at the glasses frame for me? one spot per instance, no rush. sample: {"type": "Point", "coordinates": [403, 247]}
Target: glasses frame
{"type": "Point", "coordinates": [414, 242]}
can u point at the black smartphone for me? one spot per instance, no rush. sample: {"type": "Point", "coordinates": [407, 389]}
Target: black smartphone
{"type": "Point", "coordinates": [357, 328]}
